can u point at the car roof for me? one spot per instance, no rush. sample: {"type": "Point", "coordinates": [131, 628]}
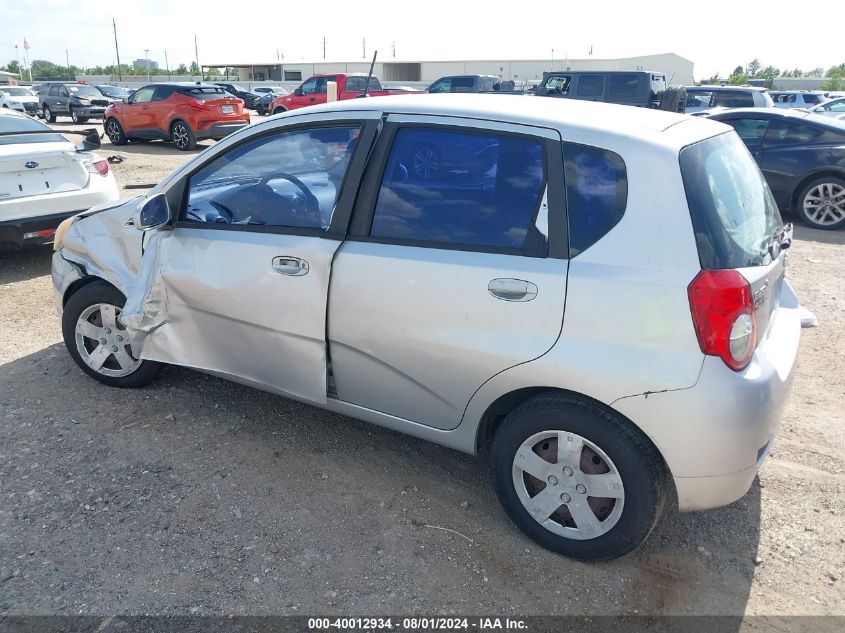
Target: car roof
{"type": "Point", "coordinates": [601, 118]}
{"type": "Point", "coordinates": [782, 113]}
{"type": "Point", "coordinates": [709, 87]}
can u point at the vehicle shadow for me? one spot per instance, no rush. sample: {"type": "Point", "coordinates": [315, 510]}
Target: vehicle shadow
{"type": "Point", "coordinates": [26, 263]}
{"type": "Point", "coordinates": [315, 500]}
{"type": "Point", "coordinates": [808, 234]}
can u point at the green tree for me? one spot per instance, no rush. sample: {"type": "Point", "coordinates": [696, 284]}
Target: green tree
{"type": "Point", "coordinates": [712, 79]}
{"type": "Point", "coordinates": [12, 67]}
{"type": "Point", "coordinates": [739, 70]}
{"type": "Point", "coordinates": [753, 67]}
{"type": "Point", "coordinates": [836, 79]}
{"type": "Point", "coordinates": [195, 70]}
{"type": "Point", "coordinates": [816, 72]}
{"type": "Point", "coordinates": [833, 70]}
{"type": "Point", "coordinates": [738, 80]}
{"type": "Point", "coordinates": [181, 69]}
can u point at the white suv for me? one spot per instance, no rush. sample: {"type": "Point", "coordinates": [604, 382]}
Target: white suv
{"type": "Point", "coordinates": [797, 98]}
{"type": "Point", "coordinates": [593, 293]}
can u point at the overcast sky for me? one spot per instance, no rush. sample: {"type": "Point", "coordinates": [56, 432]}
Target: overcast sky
{"type": "Point", "coordinates": [717, 35]}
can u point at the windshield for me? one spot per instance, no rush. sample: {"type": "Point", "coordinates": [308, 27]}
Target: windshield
{"type": "Point", "coordinates": [11, 124]}
{"type": "Point", "coordinates": [733, 212]}
{"type": "Point", "coordinates": [17, 92]}
{"type": "Point", "coordinates": [115, 92]}
{"type": "Point", "coordinates": [83, 91]}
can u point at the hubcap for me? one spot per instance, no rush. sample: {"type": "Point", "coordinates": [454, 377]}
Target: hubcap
{"type": "Point", "coordinates": [102, 342]}
{"type": "Point", "coordinates": [824, 204]}
{"type": "Point", "coordinates": [568, 484]}
{"type": "Point", "coordinates": [180, 136]}
{"type": "Point", "coordinates": [114, 131]}
{"type": "Point", "coordinates": [425, 163]}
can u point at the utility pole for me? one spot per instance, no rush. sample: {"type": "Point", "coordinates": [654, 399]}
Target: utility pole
{"type": "Point", "coordinates": [67, 61]}
{"type": "Point", "coordinates": [167, 64]}
{"type": "Point", "coordinates": [324, 47]}
{"type": "Point", "coordinates": [364, 48]}
{"type": "Point", "coordinates": [147, 59]}
{"type": "Point", "coordinates": [197, 54]}
{"type": "Point", "coordinates": [553, 59]}
{"type": "Point", "coordinates": [394, 50]}
{"type": "Point", "coordinates": [116, 51]}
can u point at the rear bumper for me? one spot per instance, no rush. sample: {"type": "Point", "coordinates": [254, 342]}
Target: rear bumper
{"type": "Point", "coordinates": [715, 435]}
{"type": "Point", "coordinates": [220, 130]}
{"type": "Point", "coordinates": [19, 216]}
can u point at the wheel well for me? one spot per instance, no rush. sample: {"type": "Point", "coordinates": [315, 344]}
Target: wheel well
{"type": "Point", "coordinates": [814, 176]}
{"type": "Point", "coordinates": [279, 109]}
{"type": "Point", "coordinates": [80, 283]}
{"type": "Point", "coordinates": [499, 409]}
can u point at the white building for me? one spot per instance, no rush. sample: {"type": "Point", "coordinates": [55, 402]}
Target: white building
{"type": "Point", "coordinates": [677, 69]}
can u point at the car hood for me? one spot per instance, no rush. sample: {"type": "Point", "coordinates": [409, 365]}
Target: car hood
{"type": "Point", "coordinates": [32, 99]}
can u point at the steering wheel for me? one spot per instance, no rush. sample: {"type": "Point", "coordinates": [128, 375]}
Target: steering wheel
{"type": "Point", "coordinates": [312, 205]}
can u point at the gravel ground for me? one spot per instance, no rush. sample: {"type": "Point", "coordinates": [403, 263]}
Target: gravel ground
{"type": "Point", "coordinates": [199, 496]}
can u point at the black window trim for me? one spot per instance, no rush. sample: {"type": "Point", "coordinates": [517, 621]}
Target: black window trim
{"type": "Point", "coordinates": [364, 211]}
{"type": "Point", "coordinates": [178, 193]}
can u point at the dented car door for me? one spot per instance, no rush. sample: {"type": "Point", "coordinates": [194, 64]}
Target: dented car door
{"type": "Point", "coordinates": [244, 274]}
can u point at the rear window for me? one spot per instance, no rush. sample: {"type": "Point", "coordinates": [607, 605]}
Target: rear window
{"type": "Point", "coordinates": [733, 213]}
{"type": "Point", "coordinates": [203, 90]}
{"type": "Point", "coordinates": [11, 124]}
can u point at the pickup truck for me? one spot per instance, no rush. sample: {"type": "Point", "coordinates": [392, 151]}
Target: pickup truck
{"type": "Point", "coordinates": [313, 91]}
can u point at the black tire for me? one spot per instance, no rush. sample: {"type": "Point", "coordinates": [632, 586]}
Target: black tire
{"type": "Point", "coordinates": [182, 136]}
{"type": "Point", "coordinates": [279, 110]}
{"type": "Point", "coordinates": [89, 295]}
{"type": "Point", "coordinates": [834, 188]}
{"type": "Point", "coordinates": [74, 116]}
{"type": "Point", "coordinates": [674, 99]}
{"type": "Point", "coordinates": [49, 115]}
{"type": "Point", "coordinates": [637, 462]}
{"type": "Point", "coordinates": [115, 132]}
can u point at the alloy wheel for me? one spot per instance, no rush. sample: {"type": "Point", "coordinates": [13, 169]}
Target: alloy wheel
{"type": "Point", "coordinates": [568, 484]}
{"type": "Point", "coordinates": [103, 343]}
{"type": "Point", "coordinates": [824, 204]}
{"type": "Point", "coordinates": [180, 135]}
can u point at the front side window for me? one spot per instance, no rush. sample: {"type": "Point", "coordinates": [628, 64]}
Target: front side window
{"type": "Point", "coordinates": [751, 131]}
{"type": "Point", "coordinates": [558, 84]}
{"type": "Point", "coordinates": [143, 95]}
{"type": "Point", "coordinates": [446, 187]}
{"type": "Point", "coordinates": [596, 193]}
{"type": "Point", "coordinates": [590, 85]}
{"type": "Point", "coordinates": [291, 179]}
{"type": "Point", "coordinates": [309, 87]}
{"type": "Point", "coordinates": [441, 85]}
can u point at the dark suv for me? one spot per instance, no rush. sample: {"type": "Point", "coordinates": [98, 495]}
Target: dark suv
{"type": "Point", "coordinates": [248, 96]}
{"type": "Point", "coordinates": [641, 88]}
{"type": "Point", "coordinates": [78, 101]}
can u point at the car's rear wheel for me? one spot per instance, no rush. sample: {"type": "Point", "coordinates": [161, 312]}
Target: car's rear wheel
{"type": "Point", "coordinates": [99, 343]}
{"type": "Point", "coordinates": [182, 136]}
{"type": "Point", "coordinates": [821, 203]}
{"type": "Point", "coordinates": [576, 478]}
{"type": "Point", "coordinates": [115, 132]}
{"type": "Point", "coordinates": [48, 114]}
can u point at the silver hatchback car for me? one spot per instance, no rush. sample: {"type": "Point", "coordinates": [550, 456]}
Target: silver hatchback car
{"type": "Point", "coordinates": [592, 294]}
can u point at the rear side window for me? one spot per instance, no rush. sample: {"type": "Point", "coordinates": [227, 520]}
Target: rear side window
{"type": "Point", "coordinates": [699, 98]}
{"type": "Point", "coordinates": [733, 213]}
{"type": "Point", "coordinates": [812, 99]}
{"type": "Point", "coordinates": [454, 188]}
{"type": "Point", "coordinates": [792, 133]}
{"type": "Point", "coordinates": [596, 193]}
{"type": "Point", "coordinates": [590, 85]}
{"type": "Point", "coordinates": [623, 85]}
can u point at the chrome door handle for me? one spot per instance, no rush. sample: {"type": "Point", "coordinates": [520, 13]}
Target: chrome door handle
{"type": "Point", "coordinates": [512, 289]}
{"type": "Point", "coordinates": [292, 266]}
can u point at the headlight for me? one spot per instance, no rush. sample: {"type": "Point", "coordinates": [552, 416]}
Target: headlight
{"type": "Point", "coordinates": [60, 232]}
{"type": "Point", "coordinates": [84, 102]}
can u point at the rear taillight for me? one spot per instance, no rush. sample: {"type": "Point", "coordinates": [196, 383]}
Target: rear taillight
{"type": "Point", "coordinates": [100, 166]}
{"type": "Point", "coordinates": [723, 313]}
{"type": "Point", "coordinates": [198, 105]}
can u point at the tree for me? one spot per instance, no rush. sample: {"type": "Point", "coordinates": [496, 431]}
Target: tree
{"type": "Point", "coordinates": [738, 80]}
{"type": "Point", "coordinates": [181, 69]}
{"type": "Point", "coordinates": [195, 70]}
{"type": "Point", "coordinates": [753, 67]}
{"type": "Point", "coordinates": [768, 73]}
{"type": "Point", "coordinates": [12, 67]}
{"type": "Point", "coordinates": [834, 69]}
{"type": "Point", "coordinates": [713, 79]}
{"type": "Point", "coordinates": [836, 79]}
{"type": "Point", "coordinates": [739, 70]}
{"type": "Point", "coordinates": [816, 72]}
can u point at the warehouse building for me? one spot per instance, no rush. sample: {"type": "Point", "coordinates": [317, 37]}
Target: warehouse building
{"type": "Point", "coordinates": [677, 69]}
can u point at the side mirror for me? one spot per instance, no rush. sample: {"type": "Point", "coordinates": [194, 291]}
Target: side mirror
{"type": "Point", "coordinates": [154, 213]}
{"type": "Point", "coordinates": [297, 92]}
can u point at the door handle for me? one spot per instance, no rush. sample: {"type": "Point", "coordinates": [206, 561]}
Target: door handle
{"type": "Point", "coordinates": [512, 289]}
{"type": "Point", "coordinates": [313, 99]}
{"type": "Point", "coordinates": [292, 266]}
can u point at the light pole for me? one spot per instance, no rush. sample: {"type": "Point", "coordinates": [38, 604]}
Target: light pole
{"type": "Point", "coordinates": [147, 59]}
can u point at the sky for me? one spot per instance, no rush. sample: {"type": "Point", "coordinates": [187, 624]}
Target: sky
{"type": "Point", "coordinates": [716, 35]}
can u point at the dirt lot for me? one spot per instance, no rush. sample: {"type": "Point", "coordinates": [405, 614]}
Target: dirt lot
{"type": "Point", "coordinates": [200, 496]}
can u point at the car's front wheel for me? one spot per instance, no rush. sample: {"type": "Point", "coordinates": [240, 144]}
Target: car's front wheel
{"type": "Point", "coordinates": [821, 203]}
{"type": "Point", "coordinates": [74, 116]}
{"type": "Point", "coordinates": [98, 342]}
{"type": "Point", "coordinates": [576, 478]}
{"type": "Point", "coordinates": [48, 114]}
{"type": "Point", "coordinates": [115, 132]}
{"type": "Point", "coordinates": [182, 136]}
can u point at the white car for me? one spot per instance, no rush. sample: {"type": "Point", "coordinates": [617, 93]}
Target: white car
{"type": "Point", "coordinates": [796, 98]}
{"type": "Point", "coordinates": [44, 178]}
{"type": "Point", "coordinates": [20, 99]}
{"type": "Point", "coordinates": [834, 108]}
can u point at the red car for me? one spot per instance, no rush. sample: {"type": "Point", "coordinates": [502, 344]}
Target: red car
{"type": "Point", "coordinates": [314, 90]}
{"type": "Point", "coordinates": [181, 113]}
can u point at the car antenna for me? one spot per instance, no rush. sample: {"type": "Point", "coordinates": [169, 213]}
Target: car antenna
{"type": "Point", "coordinates": [372, 64]}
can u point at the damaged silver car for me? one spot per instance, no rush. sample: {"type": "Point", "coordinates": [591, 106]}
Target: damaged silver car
{"type": "Point", "coordinates": [591, 293]}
